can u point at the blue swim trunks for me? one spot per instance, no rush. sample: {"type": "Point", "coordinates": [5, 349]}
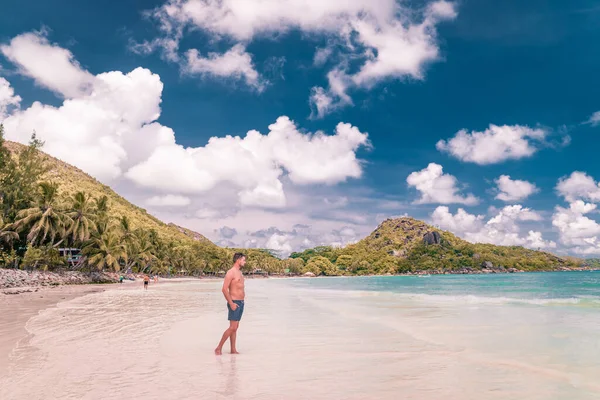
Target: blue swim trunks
{"type": "Point", "coordinates": [237, 314]}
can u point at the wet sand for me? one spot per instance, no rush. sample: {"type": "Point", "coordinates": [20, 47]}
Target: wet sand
{"type": "Point", "coordinates": [18, 305]}
{"type": "Point", "coordinates": [17, 309]}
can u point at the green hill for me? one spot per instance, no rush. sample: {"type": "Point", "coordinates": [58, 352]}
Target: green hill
{"type": "Point", "coordinates": [406, 245]}
{"type": "Point", "coordinates": [72, 180]}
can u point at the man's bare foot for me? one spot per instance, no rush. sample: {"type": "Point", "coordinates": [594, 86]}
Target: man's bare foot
{"type": "Point", "coordinates": [218, 352]}
{"type": "Point", "coordinates": [234, 352]}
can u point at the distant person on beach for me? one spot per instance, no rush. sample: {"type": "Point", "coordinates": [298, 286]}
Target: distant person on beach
{"type": "Point", "coordinates": [233, 290]}
{"type": "Point", "coordinates": [121, 279]}
{"type": "Point", "coordinates": [146, 281]}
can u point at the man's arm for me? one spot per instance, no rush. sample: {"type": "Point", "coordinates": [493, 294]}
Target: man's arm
{"type": "Point", "coordinates": [225, 290]}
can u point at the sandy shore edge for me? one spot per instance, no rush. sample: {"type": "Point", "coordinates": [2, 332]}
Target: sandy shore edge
{"type": "Point", "coordinates": [18, 305]}
{"type": "Point", "coordinates": [16, 310]}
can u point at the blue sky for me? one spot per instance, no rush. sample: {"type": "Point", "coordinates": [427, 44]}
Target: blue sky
{"type": "Point", "coordinates": [408, 74]}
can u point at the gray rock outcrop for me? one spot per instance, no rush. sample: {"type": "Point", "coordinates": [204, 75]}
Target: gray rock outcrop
{"type": "Point", "coordinates": [432, 238]}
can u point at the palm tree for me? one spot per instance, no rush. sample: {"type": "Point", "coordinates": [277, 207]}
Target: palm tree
{"type": "Point", "coordinates": [105, 251]}
{"type": "Point", "coordinates": [45, 220]}
{"type": "Point", "coordinates": [101, 211]}
{"type": "Point", "coordinates": [6, 234]}
{"type": "Point", "coordinates": [129, 240]}
{"type": "Point", "coordinates": [101, 204]}
{"type": "Point", "coordinates": [140, 250]}
{"type": "Point", "coordinates": [82, 214]}
{"type": "Point", "coordinates": [126, 230]}
{"type": "Point", "coordinates": [189, 261]}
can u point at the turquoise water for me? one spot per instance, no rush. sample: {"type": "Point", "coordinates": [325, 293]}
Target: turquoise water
{"type": "Point", "coordinates": [569, 288]}
{"type": "Point", "coordinates": [527, 335]}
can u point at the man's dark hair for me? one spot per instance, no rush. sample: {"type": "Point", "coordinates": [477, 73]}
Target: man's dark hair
{"type": "Point", "coordinates": [237, 256]}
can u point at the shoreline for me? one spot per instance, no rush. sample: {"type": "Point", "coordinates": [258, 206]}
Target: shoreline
{"type": "Point", "coordinates": [15, 281]}
{"type": "Point", "coordinates": [16, 278]}
{"type": "Point", "coordinates": [15, 311]}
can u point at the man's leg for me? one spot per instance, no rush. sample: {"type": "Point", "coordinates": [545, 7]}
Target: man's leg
{"type": "Point", "coordinates": [233, 338]}
{"type": "Point", "coordinates": [233, 325]}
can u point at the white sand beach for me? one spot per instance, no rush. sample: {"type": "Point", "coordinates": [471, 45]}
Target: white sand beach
{"type": "Point", "coordinates": [127, 343]}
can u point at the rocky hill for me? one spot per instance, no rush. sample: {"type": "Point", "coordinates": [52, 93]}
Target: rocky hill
{"type": "Point", "coordinates": [190, 233]}
{"type": "Point", "coordinates": [407, 245]}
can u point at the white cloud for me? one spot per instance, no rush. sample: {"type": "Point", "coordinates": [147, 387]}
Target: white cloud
{"type": "Point", "coordinates": [347, 232]}
{"type": "Point", "coordinates": [168, 45]}
{"type": "Point", "coordinates": [437, 187]}
{"type": "Point", "coordinates": [324, 102]}
{"type": "Point", "coordinates": [595, 118]}
{"type": "Point", "coordinates": [265, 194]}
{"type": "Point", "coordinates": [509, 214]}
{"type": "Point", "coordinates": [280, 244]}
{"type": "Point", "coordinates": [401, 50]}
{"type": "Point", "coordinates": [577, 230]}
{"type": "Point", "coordinates": [458, 223]}
{"type": "Point", "coordinates": [321, 102]}
{"type": "Point", "coordinates": [101, 132]}
{"type": "Point", "coordinates": [336, 202]}
{"type": "Point", "coordinates": [112, 125]}
{"type": "Point", "coordinates": [503, 229]}
{"type": "Point", "coordinates": [322, 55]}
{"type": "Point", "coordinates": [579, 185]}
{"type": "Point", "coordinates": [8, 98]}
{"type": "Point", "coordinates": [494, 145]}
{"type": "Point", "coordinates": [207, 212]}
{"type": "Point", "coordinates": [442, 10]}
{"type": "Point", "coordinates": [236, 63]}
{"type": "Point", "coordinates": [514, 190]}
{"type": "Point", "coordinates": [260, 161]}
{"type": "Point", "coordinates": [307, 218]}
{"type": "Point", "coordinates": [58, 71]}
{"type": "Point", "coordinates": [536, 241]}
{"type": "Point", "coordinates": [389, 39]}
{"type": "Point", "coordinates": [169, 200]}
{"type": "Point", "coordinates": [297, 239]}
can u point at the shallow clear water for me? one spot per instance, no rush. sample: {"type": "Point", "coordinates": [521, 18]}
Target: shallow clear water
{"type": "Point", "coordinates": [522, 336]}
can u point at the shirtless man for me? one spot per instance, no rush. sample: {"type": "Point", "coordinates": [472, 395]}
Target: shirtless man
{"type": "Point", "coordinates": [233, 290]}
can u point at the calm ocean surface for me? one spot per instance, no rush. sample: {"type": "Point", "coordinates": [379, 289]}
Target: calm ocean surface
{"type": "Point", "coordinates": [576, 288]}
{"type": "Point", "coordinates": [520, 336]}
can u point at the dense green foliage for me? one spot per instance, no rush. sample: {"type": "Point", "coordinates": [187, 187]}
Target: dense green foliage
{"type": "Point", "coordinates": [593, 263]}
{"type": "Point", "coordinates": [46, 205]}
